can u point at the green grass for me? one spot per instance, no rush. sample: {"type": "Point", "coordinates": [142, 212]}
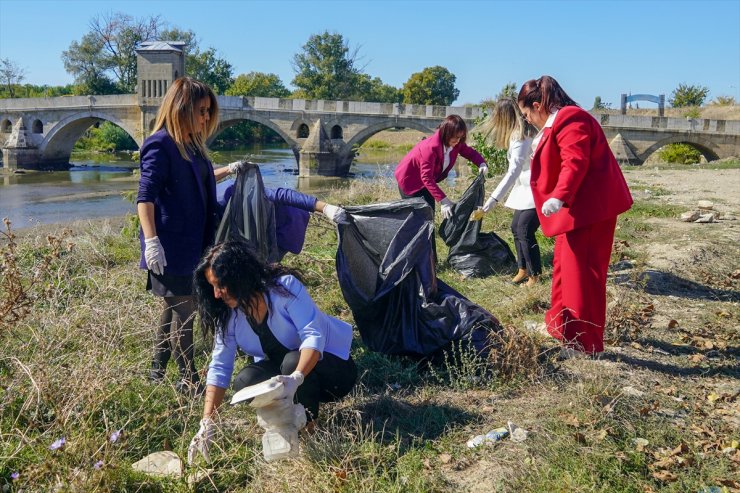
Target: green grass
{"type": "Point", "coordinates": [75, 367]}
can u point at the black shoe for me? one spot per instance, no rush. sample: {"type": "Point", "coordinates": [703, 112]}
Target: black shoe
{"type": "Point", "coordinates": [156, 375]}
{"type": "Point", "coordinates": [191, 388]}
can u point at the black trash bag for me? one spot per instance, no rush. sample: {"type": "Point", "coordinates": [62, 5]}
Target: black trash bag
{"type": "Point", "coordinates": [250, 216]}
{"type": "Point", "coordinates": [387, 275]}
{"type": "Point", "coordinates": [472, 253]}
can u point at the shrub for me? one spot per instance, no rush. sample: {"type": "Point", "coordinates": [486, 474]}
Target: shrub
{"type": "Point", "coordinates": [680, 153]}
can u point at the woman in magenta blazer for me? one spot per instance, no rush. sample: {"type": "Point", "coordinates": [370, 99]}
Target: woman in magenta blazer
{"type": "Point", "coordinates": [579, 191]}
{"type": "Point", "coordinates": [431, 160]}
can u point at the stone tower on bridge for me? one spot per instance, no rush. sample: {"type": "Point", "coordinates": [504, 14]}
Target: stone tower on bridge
{"type": "Point", "coordinates": [158, 65]}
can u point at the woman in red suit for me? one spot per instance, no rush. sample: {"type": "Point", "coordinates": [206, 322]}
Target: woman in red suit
{"type": "Point", "coordinates": [429, 162]}
{"type": "Point", "coordinates": [579, 191]}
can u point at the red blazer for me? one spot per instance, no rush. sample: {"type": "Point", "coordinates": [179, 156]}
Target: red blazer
{"type": "Point", "coordinates": [422, 166]}
{"type": "Point", "coordinates": [573, 163]}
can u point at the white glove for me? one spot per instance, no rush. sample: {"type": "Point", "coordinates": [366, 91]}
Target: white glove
{"type": "Point", "coordinates": [201, 441]}
{"type": "Point", "coordinates": [490, 203]}
{"type": "Point", "coordinates": [551, 206]}
{"type": "Point", "coordinates": [332, 211]}
{"type": "Point", "coordinates": [154, 255]}
{"type": "Point", "coordinates": [238, 166]}
{"type": "Point", "coordinates": [483, 169]}
{"type": "Point", "coordinates": [446, 205]}
{"type": "Point", "coordinates": [290, 383]}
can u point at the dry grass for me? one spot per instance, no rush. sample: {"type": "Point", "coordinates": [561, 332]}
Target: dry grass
{"type": "Point", "coordinates": [75, 367]}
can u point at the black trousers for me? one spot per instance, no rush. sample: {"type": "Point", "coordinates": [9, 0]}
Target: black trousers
{"type": "Point", "coordinates": [332, 378]}
{"type": "Point", "coordinates": [427, 196]}
{"type": "Point", "coordinates": [523, 226]}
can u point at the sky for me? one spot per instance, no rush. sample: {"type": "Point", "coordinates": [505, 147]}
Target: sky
{"type": "Point", "coordinates": [593, 48]}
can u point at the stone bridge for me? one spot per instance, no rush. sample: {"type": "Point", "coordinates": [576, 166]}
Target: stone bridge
{"type": "Point", "coordinates": [324, 135]}
{"type": "Point", "coordinates": [41, 132]}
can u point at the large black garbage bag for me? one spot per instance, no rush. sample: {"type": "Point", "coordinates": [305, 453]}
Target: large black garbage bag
{"type": "Point", "coordinates": [250, 216]}
{"type": "Point", "coordinates": [472, 253]}
{"type": "Point", "coordinates": [387, 275]}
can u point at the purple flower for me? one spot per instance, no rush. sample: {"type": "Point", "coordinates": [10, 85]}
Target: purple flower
{"type": "Point", "coordinates": [115, 436]}
{"type": "Point", "coordinates": [15, 475]}
{"type": "Point", "coordinates": [98, 464]}
{"type": "Point", "coordinates": [58, 444]}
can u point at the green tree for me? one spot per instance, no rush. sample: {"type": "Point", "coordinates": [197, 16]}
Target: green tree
{"type": "Point", "coordinates": [433, 85]}
{"type": "Point", "coordinates": [326, 68]}
{"type": "Point", "coordinates": [11, 75]}
{"type": "Point", "coordinates": [686, 95]}
{"type": "Point", "coordinates": [258, 84]}
{"type": "Point", "coordinates": [207, 67]}
{"type": "Point", "coordinates": [508, 91]}
{"type": "Point", "coordinates": [600, 105]}
{"type": "Point", "coordinates": [375, 90]}
{"type": "Point", "coordinates": [108, 51]}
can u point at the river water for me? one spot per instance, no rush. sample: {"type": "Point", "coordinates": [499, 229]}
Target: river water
{"type": "Point", "coordinates": [97, 185]}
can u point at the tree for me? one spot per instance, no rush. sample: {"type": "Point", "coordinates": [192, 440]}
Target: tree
{"type": "Point", "coordinates": [433, 85]}
{"type": "Point", "coordinates": [600, 105]}
{"type": "Point", "coordinates": [375, 90]}
{"type": "Point", "coordinates": [686, 95]}
{"type": "Point", "coordinates": [258, 84]}
{"type": "Point", "coordinates": [210, 69]}
{"type": "Point", "coordinates": [11, 75]}
{"type": "Point", "coordinates": [508, 91]}
{"type": "Point", "coordinates": [108, 51]}
{"type": "Point", "coordinates": [724, 101]}
{"type": "Point", "coordinates": [326, 68]}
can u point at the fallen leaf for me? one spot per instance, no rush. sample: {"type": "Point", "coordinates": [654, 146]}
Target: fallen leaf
{"type": "Point", "coordinates": [601, 435]}
{"type": "Point", "coordinates": [640, 444]}
{"type": "Point", "coordinates": [713, 397]}
{"type": "Point", "coordinates": [665, 476]}
{"type": "Point", "coordinates": [696, 358]}
{"type": "Point", "coordinates": [341, 473]}
{"type": "Point", "coordinates": [571, 420]}
{"type": "Point", "coordinates": [681, 449]}
{"type": "Point", "coordinates": [445, 458]}
{"type": "Point", "coordinates": [673, 324]}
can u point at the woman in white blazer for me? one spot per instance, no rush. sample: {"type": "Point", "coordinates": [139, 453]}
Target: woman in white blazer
{"type": "Point", "coordinates": [507, 129]}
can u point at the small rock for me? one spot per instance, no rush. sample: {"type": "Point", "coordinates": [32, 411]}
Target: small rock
{"type": "Point", "coordinates": [705, 218]}
{"type": "Point", "coordinates": [706, 204]}
{"type": "Point", "coordinates": [690, 216]}
{"type": "Point", "coordinates": [728, 217]}
{"type": "Point", "coordinates": [166, 463]}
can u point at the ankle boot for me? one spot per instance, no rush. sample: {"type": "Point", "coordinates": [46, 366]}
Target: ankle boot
{"type": "Point", "coordinates": [532, 281]}
{"type": "Point", "coordinates": [520, 276]}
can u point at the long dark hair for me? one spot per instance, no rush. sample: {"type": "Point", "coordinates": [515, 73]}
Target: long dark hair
{"type": "Point", "coordinates": [545, 91]}
{"type": "Point", "coordinates": [451, 127]}
{"type": "Point", "coordinates": [239, 270]}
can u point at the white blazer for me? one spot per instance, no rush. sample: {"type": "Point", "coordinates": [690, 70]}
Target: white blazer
{"type": "Point", "coordinates": [516, 178]}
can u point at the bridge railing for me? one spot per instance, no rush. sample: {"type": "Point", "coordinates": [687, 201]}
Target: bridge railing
{"type": "Point", "coordinates": [357, 107]}
{"type": "Point", "coordinates": [730, 127]}
{"type": "Point", "coordinates": [61, 102]}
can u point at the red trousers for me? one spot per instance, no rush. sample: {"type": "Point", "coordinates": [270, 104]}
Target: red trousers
{"type": "Point", "coordinates": [580, 264]}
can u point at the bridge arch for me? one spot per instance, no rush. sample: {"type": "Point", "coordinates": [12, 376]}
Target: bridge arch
{"type": "Point", "coordinates": [59, 141]}
{"type": "Point", "coordinates": [6, 126]}
{"type": "Point", "coordinates": [360, 137]}
{"type": "Point", "coordinates": [231, 120]}
{"type": "Point", "coordinates": [708, 149]}
{"type": "Point", "coordinates": [37, 127]}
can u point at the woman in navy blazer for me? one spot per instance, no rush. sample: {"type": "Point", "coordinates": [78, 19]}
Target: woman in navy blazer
{"type": "Point", "coordinates": [177, 208]}
{"type": "Point", "coordinates": [264, 310]}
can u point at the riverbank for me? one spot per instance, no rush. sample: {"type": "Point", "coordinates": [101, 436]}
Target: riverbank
{"type": "Point", "coordinates": [657, 413]}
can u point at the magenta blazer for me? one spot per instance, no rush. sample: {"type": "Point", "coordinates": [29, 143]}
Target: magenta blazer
{"type": "Point", "coordinates": [422, 166]}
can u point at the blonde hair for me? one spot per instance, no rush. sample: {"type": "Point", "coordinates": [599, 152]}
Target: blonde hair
{"type": "Point", "coordinates": [504, 124]}
{"type": "Point", "coordinates": [177, 115]}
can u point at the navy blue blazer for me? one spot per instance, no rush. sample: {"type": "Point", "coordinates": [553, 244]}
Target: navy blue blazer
{"type": "Point", "coordinates": [185, 212]}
